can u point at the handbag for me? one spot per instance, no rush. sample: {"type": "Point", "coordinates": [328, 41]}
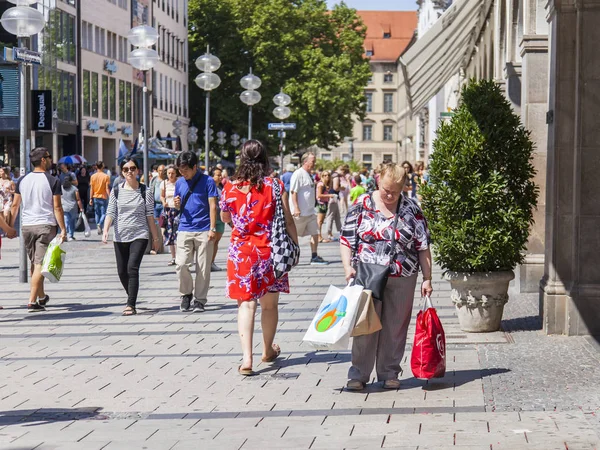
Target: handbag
{"type": "Point", "coordinates": [285, 253]}
{"type": "Point", "coordinates": [162, 220]}
{"type": "Point", "coordinates": [374, 277]}
{"type": "Point", "coordinates": [367, 320]}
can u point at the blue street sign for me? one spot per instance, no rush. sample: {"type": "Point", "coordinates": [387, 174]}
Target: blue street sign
{"type": "Point", "coordinates": [282, 126]}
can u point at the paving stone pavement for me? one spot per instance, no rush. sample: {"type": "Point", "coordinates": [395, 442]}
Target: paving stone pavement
{"type": "Point", "coordinates": [81, 376]}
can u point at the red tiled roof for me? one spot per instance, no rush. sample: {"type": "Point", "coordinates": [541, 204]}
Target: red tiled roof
{"type": "Point", "coordinates": [400, 24]}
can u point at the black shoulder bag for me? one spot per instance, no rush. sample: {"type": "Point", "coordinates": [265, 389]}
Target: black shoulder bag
{"type": "Point", "coordinates": [371, 276]}
{"type": "Point", "coordinates": [184, 200]}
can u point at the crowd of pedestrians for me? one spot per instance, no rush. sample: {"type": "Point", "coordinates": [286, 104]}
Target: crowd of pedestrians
{"type": "Point", "coordinates": [188, 209]}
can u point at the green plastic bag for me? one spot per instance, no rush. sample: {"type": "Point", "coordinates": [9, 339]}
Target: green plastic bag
{"type": "Point", "coordinates": [54, 261]}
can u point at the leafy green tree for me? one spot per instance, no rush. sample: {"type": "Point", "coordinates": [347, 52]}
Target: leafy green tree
{"type": "Point", "coordinates": [354, 166]}
{"type": "Point", "coordinates": [480, 196]}
{"type": "Point", "coordinates": [315, 55]}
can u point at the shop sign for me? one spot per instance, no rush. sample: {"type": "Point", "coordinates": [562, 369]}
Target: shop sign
{"type": "Point", "coordinates": [42, 110]}
{"type": "Point", "coordinates": [92, 125]}
{"type": "Point", "coordinates": [9, 91]}
{"type": "Point", "coordinates": [110, 128]}
{"type": "Point", "coordinates": [127, 131]}
{"type": "Point", "coordinates": [27, 56]}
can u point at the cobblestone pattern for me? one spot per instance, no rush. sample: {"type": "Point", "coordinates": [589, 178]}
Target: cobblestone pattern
{"type": "Point", "coordinates": [81, 376]}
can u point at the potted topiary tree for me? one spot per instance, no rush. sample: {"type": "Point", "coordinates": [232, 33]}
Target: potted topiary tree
{"type": "Point", "coordinates": [479, 202]}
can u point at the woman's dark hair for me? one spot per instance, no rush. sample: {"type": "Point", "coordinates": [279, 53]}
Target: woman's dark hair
{"type": "Point", "coordinates": [410, 167]}
{"type": "Point", "coordinates": [126, 160]}
{"type": "Point", "coordinates": [188, 159]}
{"type": "Point", "coordinates": [213, 170]}
{"type": "Point", "coordinates": [254, 163]}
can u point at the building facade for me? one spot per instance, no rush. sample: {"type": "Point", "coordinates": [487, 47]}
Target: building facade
{"type": "Point", "coordinates": [170, 76]}
{"type": "Point", "coordinates": [96, 94]}
{"type": "Point", "coordinates": [387, 133]}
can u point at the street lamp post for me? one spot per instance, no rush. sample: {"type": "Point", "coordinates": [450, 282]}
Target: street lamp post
{"type": "Point", "coordinates": [143, 58]}
{"type": "Point", "coordinates": [282, 112]}
{"type": "Point", "coordinates": [177, 132]}
{"type": "Point", "coordinates": [192, 136]}
{"type": "Point", "coordinates": [207, 81]}
{"type": "Point", "coordinates": [221, 140]}
{"type": "Point", "coordinates": [250, 96]}
{"type": "Point", "coordinates": [23, 22]}
{"type": "Point", "coordinates": [350, 141]}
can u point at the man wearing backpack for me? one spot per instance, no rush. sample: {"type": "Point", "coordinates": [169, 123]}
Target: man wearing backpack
{"type": "Point", "coordinates": [196, 198]}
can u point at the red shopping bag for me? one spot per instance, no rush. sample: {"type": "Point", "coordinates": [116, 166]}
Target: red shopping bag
{"type": "Point", "coordinates": [428, 358]}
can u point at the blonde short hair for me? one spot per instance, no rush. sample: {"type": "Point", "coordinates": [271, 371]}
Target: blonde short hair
{"type": "Point", "coordinates": [395, 171]}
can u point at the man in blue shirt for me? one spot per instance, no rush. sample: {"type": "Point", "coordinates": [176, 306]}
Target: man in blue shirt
{"type": "Point", "coordinates": [196, 232]}
{"type": "Point", "coordinates": [287, 176]}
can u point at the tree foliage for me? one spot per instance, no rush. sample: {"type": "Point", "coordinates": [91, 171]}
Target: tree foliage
{"type": "Point", "coordinates": [315, 55]}
{"type": "Point", "coordinates": [480, 196]}
{"type": "Point", "coordinates": [354, 166]}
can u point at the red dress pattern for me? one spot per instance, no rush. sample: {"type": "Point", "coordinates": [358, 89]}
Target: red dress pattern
{"type": "Point", "coordinates": [250, 273]}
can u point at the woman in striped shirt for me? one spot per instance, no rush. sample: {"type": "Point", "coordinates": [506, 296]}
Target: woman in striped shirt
{"type": "Point", "coordinates": [131, 209]}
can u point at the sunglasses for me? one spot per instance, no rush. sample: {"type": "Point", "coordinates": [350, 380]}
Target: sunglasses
{"type": "Point", "coordinates": [128, 169]}
{"type": "Point", "coordinates": [47, 156]}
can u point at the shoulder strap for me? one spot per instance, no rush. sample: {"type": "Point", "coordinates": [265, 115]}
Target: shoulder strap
{"type": "Point", "coordinates": [189, 193]}
{"type": "Point", "coordinates": [116, 190]}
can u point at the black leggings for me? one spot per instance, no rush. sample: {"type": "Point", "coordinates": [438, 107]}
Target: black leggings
{"type": "Point", "coordinates": [129, 258]}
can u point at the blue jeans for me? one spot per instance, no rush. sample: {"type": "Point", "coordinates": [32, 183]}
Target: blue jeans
{"type": "Point", "coordinates": [70, 221]}
{"type": "Point", "coordinates": [158, 209]}
{"type": "Point", "coordinates": [100, 205]}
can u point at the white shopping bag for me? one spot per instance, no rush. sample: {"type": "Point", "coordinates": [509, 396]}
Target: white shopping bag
{"type": "Point", "coordinates": [87, 232]}
{"type": "Point", "coordinates": [333, 323]}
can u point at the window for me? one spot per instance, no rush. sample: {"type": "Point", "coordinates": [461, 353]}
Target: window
{"type": "Point", "coordinates": [86, 93]}
{"type": "Point", "coordinates": [369, 102]}
{"type": "Point", "coordinates": [369, 52]}
{"type": "Point", "coordinates": [370, 80]}
{"type": "Point", "coordinates": [367, 160]}
{"type": "Point", "coordinates": [367, 132]}
{"type": "Point", "coordinates": [160, 92]}
{"type": "Point", "coordinates": [326, 156]}
{"type": "Point", "coordinates": [346, 157]}
{"type": "Point", "coordinates": [388, 77]}
{"type": "Point", "coordinates": [112, 92]}
{"type": "Point", "coordinates": [388, 133]}
{"type": "Point", "coordinates": [387, 35]}
{"type": "Point", "coordinates": [109, 38]}
{"type": "Point", "coordinates": [388, 158]}
{"type": "Point", "coordinates": [185, 101]}
{"type": "Point", "coordinates": [388, 102]}
{"type": "Point", "coordinates": [104, 97]}
{"type": "Point", "coordinates": [122, 100]}
{"type": "Point", "coordinates": [94, 94]}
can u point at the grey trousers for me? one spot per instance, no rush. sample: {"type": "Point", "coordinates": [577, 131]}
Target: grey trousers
{"type": "Point", "coordinates": [194, 247]}
{"type": "Point", "coordinates": [387, 345]}
{"type": "Point", "coordinates": [333, 216]}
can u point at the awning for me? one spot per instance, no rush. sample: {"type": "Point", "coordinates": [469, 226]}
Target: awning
{"type": "Point", "coordinates": [443, 50]}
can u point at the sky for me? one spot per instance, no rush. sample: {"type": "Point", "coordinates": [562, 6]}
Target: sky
{"type": "Point", "coordinates": [387, 5]}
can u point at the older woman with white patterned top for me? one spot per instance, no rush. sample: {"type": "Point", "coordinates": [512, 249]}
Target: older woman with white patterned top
{"type": "Point", "coordinates": [366, 237]}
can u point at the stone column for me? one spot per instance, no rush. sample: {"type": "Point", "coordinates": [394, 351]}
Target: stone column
{"type": "Point", "coordinates": [570, 288]}
{"type": "Point", "coordinates": [534, 105]}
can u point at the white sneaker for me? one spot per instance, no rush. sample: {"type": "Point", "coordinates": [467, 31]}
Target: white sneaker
{"type": "Point", "coordinates": [215, 268]}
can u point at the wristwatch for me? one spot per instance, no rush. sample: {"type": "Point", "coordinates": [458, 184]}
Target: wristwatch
{"type": "Point", "coordinates": [429, 278]}
{"type": "Point", "coordinates": [214, 230]}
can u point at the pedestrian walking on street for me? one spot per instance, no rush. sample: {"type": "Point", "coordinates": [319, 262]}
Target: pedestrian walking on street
{"type": "Point", "coordinates": [7, 192]}
{"type": "Point", "coordinates": [196, 198]}
{"type": "Point", "coordinates": [302, 205]}
{"type": "Point", "coordinates": [286, 176]}
{"type": "Point", "coordinates": [216, 173]}
{"type": "Point", "coordinates": [83, 185]}
{"type": "Point", "coordinates": [170, 213]}
{"type": "Point", "coordinates": [249, 203]}
{"type": "Point", "coordinates": [333, 210]}
{"type": "Point", "coordinates": [99, 191]}
{"type": "Point", "coordinates": [157, 180]}
{"type": "Point", "coordinates": [42, 211]}
{"type": "Point", "coordinates": [366, 237]}
{"type": "Point", "coordinates": [131, 209]}
{"type": "Point", "coordinates": [71, 203]}
{"type": "Point", "coordinates": [323, 199]}
{"type": "Point", "coordinates": [65, 172]}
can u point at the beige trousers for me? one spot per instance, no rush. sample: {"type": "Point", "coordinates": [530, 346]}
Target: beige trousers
{"type": "Point", "coordinates": [386, 347]}
{"type": "Point", "coordinates": [190, 245]}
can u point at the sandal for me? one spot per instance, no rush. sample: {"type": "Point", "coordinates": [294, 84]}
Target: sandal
{"type": "Point", "coordinates": [245, 372]}
{"type": "Point", "coordinates": [355, 385]}
{"type": "Point", "coordinates": [277, 350]}
{"type": "Point", "coordinates": [129, 311]}
{"type": "Point", "coordinates": [326, 241]}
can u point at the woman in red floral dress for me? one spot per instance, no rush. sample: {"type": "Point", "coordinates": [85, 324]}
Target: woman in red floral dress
{"type": "Point", "coordinates": [247, 202]}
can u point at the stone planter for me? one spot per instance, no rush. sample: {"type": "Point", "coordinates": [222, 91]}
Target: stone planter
{"type": "Point", "coordinates": [479, 299]}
